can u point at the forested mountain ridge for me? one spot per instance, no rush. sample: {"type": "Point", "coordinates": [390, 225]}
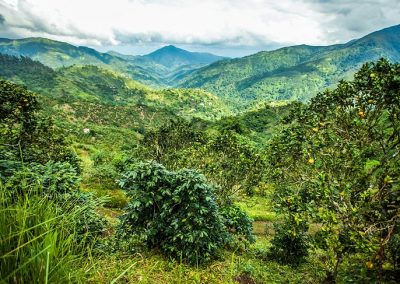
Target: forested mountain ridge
{"type": "Point", "coordinates": [293, 73]}
{"type": "Point", "coordinates": [155, 69]}
{"type": "Point", "coordinates": [56, 54]}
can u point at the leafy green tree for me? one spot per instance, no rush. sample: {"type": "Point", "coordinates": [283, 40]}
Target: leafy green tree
{"type": "Point", "coordinates": [27, 135]}
{"type": "Point", "coordinates": [17, 110]}
{"type": "Point", "coordinates": [238, 222]}
{"type": "Point", "coordinates": [336, 163]}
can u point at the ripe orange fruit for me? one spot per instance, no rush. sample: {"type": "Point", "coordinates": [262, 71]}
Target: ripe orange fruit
{"type": "Point", "coordinates": [369, 264]}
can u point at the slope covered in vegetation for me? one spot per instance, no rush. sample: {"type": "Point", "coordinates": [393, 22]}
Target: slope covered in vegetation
{"type": "Point", "coordinates": [293, 73]}
{"type": "Point", "coordinates": [94, 84]}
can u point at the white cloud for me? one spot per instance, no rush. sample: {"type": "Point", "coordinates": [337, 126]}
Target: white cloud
{"type": "Point", "coordinates": [224, 23]}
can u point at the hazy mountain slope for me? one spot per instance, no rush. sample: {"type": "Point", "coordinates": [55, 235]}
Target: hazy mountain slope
{"type": "Point", "coordinates": [173, 57]}
{"type": "Point", "coordinates": [169, 63]}
{"type": "Point", "coordinates": [297, 72]}
{"type": "Point", "coordinates": [54, 53]}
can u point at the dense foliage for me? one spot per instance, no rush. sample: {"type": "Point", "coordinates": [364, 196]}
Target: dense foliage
{"type": "Point", "coordinates": [336, 163]}
{"type": "Point", "coordinates": [25, 135]}
{"type": "Point", "coordinates": [177, 212]}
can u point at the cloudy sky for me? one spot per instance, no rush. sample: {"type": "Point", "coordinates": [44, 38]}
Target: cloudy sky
{"type": "Point", "coordinates": [225, 27]}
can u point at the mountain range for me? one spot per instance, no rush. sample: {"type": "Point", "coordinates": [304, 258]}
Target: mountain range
{"type": "Point", "coordinates": [289, 73]}
{"type": "Point", "coordinates": [293, 73]}
{"type": "Point", "coordinates": [155, 69]}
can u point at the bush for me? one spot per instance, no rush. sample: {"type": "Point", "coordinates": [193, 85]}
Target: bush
{"type": "Point", "coordinates": [50, 179]}
{"type": "Point", "coordinates": [175, 212]}
{"type": "Point", "coordinates": [394, 250]}
{"type": "Point", "coordinates": [59, 183]}
{"type": "Point", "coordinates": [238, 222]}
{"type": "Point", "coordinates": [289, 247]}
{"type": "Point", "coordinates": [88, 224]}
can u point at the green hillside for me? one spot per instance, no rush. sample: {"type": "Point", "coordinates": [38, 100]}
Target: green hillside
{"type": "Point", "coordinates": [97, 85]}
{"type": "Point", "coordinates": [293, 73]}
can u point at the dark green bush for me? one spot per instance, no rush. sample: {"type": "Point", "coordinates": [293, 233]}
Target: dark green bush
{"type": "Point", "coordinates": [238, 222]}
{"type": "Point", "coordinates": [51, 179]}
{"type": "Point", "coordinates": [394, 250]}
{"type": "Point", "coordinates": [88, 223]}
{"type": "Point", "coordinates": [175, 212]}
{"type": "Point", "coordinates": [59, 183]}
{"type": "Point", "coordinates": [289, 246]}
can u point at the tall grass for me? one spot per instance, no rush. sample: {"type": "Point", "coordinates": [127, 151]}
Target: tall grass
{"type": "Point", "coordinates": [38, 240]}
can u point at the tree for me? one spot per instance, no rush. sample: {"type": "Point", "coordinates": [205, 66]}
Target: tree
{"type": "Point", "coordinates": [336, 163]}
{"type": "Point", "coordinates": [25, 133]}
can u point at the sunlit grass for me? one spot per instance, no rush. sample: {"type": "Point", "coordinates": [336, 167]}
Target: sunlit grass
{"type": "Point", "coordinates": [38, 242]}
{"type": "Point", "coordinates": [258, 208]}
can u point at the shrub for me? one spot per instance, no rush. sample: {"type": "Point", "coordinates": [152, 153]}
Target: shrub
{"type": "Point", "coordinates": [394, 250]}
{"type": "Point", "coordinates": [175, 212]}
{"type": "Point", "coordinates": [238, 222]}
{"type": "Point", "coordinates": [88, 224]}
{"type": "Point", "coordinates": [51, 179]}
{"type": "Point", "coordinates": [59, 183]}
{"type": "Point", "coordinates": [289, 246]}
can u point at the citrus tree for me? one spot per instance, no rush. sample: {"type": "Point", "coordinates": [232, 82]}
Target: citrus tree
{"type": "Point", "coordinates": [336, 163]}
